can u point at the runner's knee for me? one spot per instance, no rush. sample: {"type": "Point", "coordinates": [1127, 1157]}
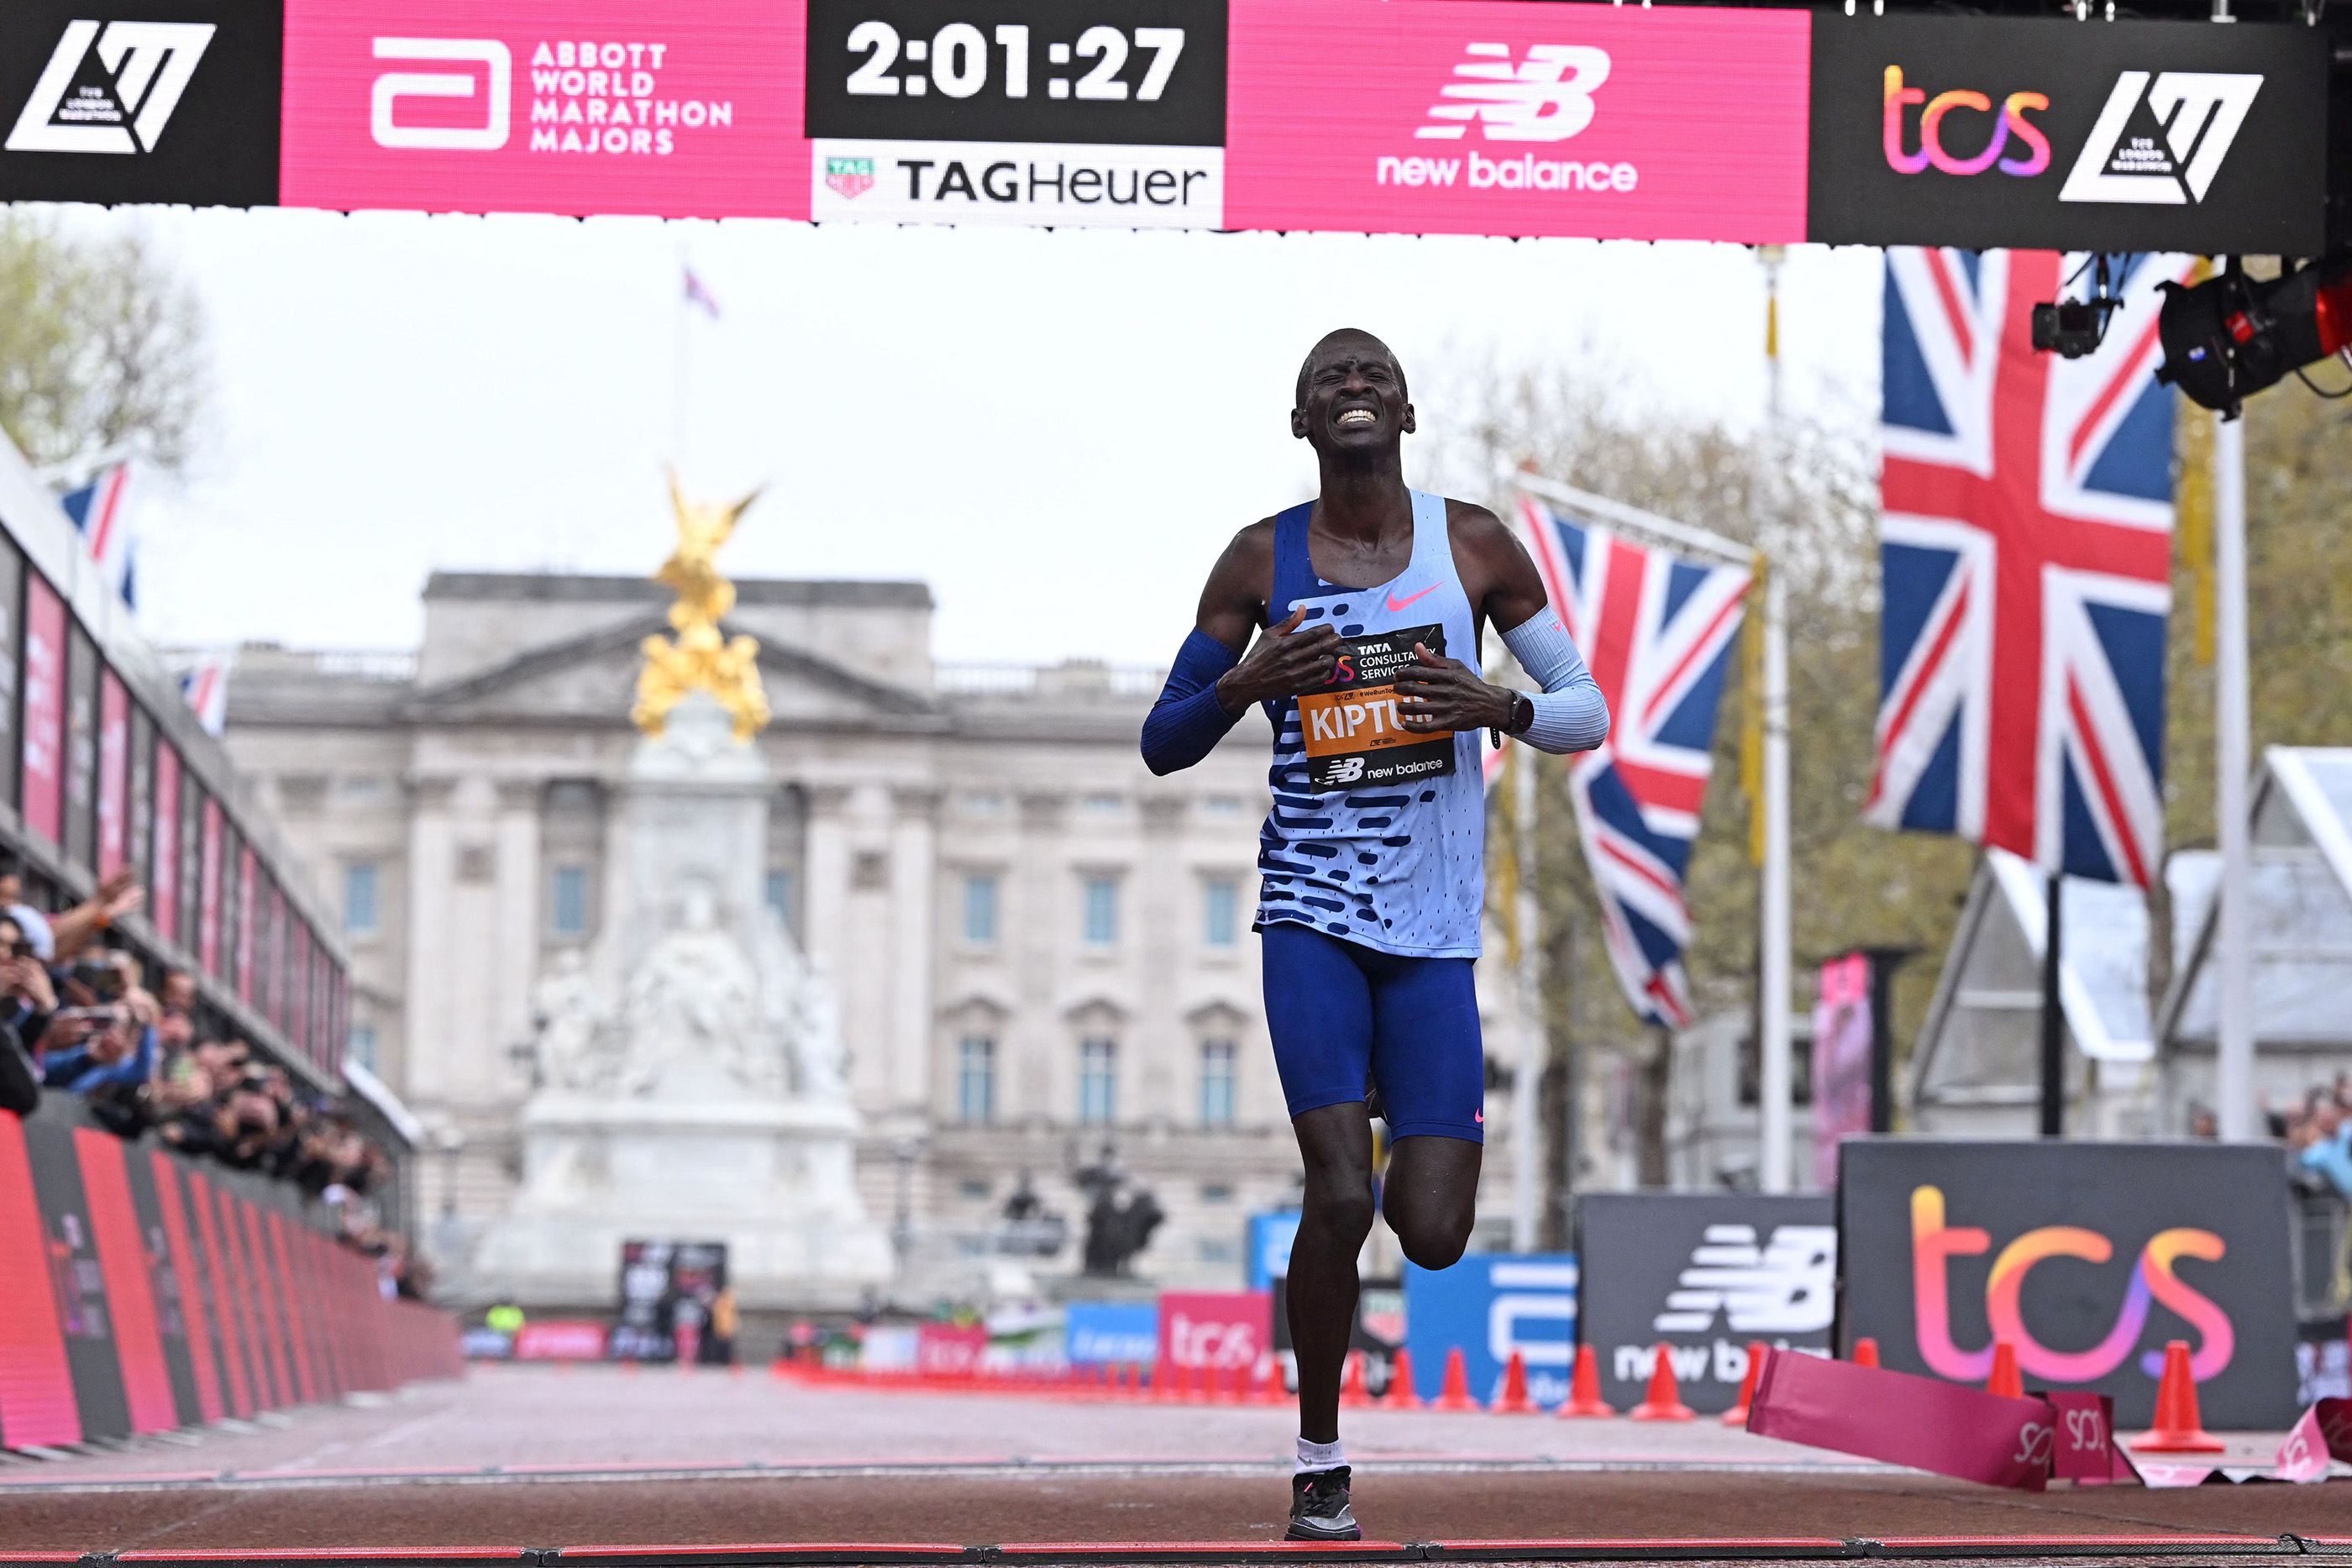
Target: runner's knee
{"type": "Point", "coordinates": [1341, 1210]}
{"type": "Point", "coordinates": [1433, 1243]}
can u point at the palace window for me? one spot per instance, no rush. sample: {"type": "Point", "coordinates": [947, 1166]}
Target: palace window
{"type": "Point", "coordinates": [980, 909]}
{"type": "Point", "coordinates": [976, 1079]}
{"type": "Point", "coordinates": [1098, 923]}
{"type": "Point", "coordinates": [1098, 1081]}
{"type": "Point", "coordinates": [1217, 1060]}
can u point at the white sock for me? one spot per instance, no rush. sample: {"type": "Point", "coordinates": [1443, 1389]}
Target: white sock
{"type": "Point", "coordinates": [1313, 1456]}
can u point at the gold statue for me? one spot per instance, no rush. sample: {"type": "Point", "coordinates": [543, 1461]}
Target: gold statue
{"type": "Point", "coordinates": [698, 657]}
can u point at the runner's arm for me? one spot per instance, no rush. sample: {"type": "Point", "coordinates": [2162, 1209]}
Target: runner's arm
{"type": "Point", "coordinates": [1189, 718]}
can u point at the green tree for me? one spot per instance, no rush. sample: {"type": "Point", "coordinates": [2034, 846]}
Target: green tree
{"type": "Point", "coordinates": [101, 347]}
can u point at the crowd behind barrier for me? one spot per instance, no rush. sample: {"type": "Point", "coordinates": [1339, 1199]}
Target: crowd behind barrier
{"type": "Point", "coordinates": [78, 1018]}
{"type": "Point", "coordinates": [141, 1289]}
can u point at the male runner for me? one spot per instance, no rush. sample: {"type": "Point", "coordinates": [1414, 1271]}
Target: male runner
{"type": "Point", "coordinates": [1370, 602]}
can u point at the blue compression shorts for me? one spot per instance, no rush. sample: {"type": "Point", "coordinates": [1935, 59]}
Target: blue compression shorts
{"type": "Point", "coordinates": [1339, 1012]}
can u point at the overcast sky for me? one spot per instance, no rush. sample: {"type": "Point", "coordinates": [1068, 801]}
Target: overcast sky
{"type": "Point", "coordinates": [1057, 430]}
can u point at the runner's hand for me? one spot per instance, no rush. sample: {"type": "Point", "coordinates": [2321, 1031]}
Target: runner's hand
{"type": "Point", "coordinates": [1283, 662]}
{"type": "Point", "coordinates": [1437, 694]}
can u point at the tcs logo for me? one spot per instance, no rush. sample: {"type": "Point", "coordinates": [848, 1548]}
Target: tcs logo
{"type": "Point", "coordinates": [1932, 1243]}
{"type": "Point", "coordinates": [2030, 157]}
{"type": "Point", "coordinates": [1212, 1341]}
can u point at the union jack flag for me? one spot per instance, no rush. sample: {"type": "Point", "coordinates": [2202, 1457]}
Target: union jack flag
{"type": "Point", "coordinates": [2026, 550]}
{"type": "Point", "coordinates": [1656, 631]}
{"type": "Point", "coordinates": [203, 685]}
{"type": "Point", "coordinates": [101, 515]}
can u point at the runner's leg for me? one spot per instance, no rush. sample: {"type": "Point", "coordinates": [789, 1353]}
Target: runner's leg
{"type": "Point", "coordinates": [1319, 1012]}
{"type": "Point", "coordinates": [1430, 1064]}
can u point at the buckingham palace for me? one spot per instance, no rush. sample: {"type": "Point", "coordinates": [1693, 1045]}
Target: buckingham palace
{"type": "Point", "coordinates": [1041, 953]}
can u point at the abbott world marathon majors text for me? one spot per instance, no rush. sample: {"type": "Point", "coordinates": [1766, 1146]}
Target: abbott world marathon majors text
{"type": "Point", "coordinates": [1049, 184]}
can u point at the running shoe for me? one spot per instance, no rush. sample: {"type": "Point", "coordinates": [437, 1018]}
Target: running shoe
{"type": "Point", "coordinates": [1318, 1507]}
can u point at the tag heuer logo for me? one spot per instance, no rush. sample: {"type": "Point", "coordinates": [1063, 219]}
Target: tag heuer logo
{"type": "Point", "coordinates": [109, 87]}
{"type": "Point", "coordinates": [849, 177]}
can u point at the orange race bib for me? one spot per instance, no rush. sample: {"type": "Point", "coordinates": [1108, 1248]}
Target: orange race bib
{"type": "Point", "coordinates": [1352, 729]}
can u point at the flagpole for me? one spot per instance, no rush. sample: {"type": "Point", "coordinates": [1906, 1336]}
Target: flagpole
{"type": "Point", "coordinates": [1773, 1086]}
{"type": "Point", "coordinates": [677, 377]}
{"type": "Point", "coordinates": [1526, 1123]}
{"type": "Point", "coordinates": [2233, 1034]}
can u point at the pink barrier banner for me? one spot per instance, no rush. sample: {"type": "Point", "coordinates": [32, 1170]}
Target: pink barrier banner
{"type": "Point", "coordinates": [949, 1349]}
{"type": "Point", "coordinates": [1491, 117]}
{"type": "Point", "coordinates": [1218, 1328]}
{"type": "Point", "coordinates": [564, 1339]}
{"type": "Point", "coordinates": [2083, 1448]}
{"type": "Point", "coordinates": [1901, 1418]}
{"type": "Point", "coordinates": [577, 107]}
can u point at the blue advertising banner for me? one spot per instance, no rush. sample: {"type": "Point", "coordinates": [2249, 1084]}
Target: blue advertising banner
{"type": "Point", "coordinates": [1267, 1247]}
{"type": "Point", "coordinates": [1488, 1305]}
{"type": "Point", "coordinates": [1117, 1332]}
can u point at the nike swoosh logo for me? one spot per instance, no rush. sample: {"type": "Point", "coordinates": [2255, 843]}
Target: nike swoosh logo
{"type": "Point", "coordinates": [1395, 604]}
{"type": "Point", "coordinates": [1479, 1117]}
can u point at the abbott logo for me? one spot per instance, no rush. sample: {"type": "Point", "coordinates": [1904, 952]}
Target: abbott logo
{"type": "Point", "coordinates": [1784, 1286]}
{"type": "Point", "coordinates": [2198, 114]}
{"type": "Point", "coordinates": [147, 64]}
{"type": "Point", "coordinates": [1547, 97]}
{"type": "Point", "coordinates": [392, 86]}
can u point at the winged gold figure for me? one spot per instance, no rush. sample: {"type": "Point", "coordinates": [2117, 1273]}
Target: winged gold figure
{"type": "Point", "coordinates": [699, 656]}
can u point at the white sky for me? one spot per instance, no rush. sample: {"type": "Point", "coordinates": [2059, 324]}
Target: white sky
{"type": "Point", "coordinates": [1057, 430]}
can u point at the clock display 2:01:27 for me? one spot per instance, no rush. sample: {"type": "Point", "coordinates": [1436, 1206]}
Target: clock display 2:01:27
{"type": "Point", "coordinates": [961, 61]}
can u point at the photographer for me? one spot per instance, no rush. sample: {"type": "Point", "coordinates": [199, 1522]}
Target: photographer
{"type": "Point", "coordinates": [26, 1000]}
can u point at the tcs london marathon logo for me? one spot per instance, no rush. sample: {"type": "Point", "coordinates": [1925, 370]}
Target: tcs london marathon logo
{"type": "Point", "coordinates": [1544, 96]}
{"type": "Point", "coordinates": [2160, 140]}
{"type": "Point", "coordinates": [110, 86]}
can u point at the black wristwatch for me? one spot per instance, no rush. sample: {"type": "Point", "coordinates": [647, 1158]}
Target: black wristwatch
{"type": "Point", "coordinates": [1522, 714]}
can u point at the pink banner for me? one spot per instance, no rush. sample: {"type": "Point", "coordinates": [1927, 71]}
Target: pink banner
{"type": "Point", "coordinates": [208, 890]}
{"type": "Point", "coordinates": [113, 774]}
{"type": "Point", "coordinates": [1842, 1026]}
{"type": "Point", "coordinates": [562, 1339]}
{"type": "Point", "coordinates": [1220, 1329]}
{"type": "Point", "coordinates": [45, 708]}
{"type": "Point", "coordinates": [1904, 1419]}
{"type": "Point", "coordinates": [163, 887]}
{"type": "Point", "coordinates": [247, 869]}
{"type": "Point", "coordinates": [685, 110]}
{"type": "Point", "coordinates": [949, 1349]}
{"type": "Point", "coordinates": [1491, 117]}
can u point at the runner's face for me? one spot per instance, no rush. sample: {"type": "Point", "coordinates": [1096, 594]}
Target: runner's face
{"type": "Point", "coordinates": [1355, 399]}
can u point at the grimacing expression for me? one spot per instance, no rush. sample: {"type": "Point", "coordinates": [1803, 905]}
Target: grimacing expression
{"type": "Point", "coordinates": [1352, 396]}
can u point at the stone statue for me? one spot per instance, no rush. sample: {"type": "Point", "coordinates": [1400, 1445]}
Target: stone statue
{"type": "Point", "coordinates": [694, 998]}
{"type": "Point", "coordinates": [567, 1015]}
{"type": "Point", "coordinates": [699, 658]}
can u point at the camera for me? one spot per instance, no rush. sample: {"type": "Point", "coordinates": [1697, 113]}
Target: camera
{"type": "Point", "coordinates": [2072, 328]}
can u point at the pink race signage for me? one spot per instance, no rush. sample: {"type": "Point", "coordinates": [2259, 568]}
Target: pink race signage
{"type": "Point", "coordinates": [1492, 117]}
{"type": "Point", "coordinates": [1222, 1330]}
{"type": "Point", "coordinates": [685, 110]}
{"type": "Point", "coordinates": [44, 709]}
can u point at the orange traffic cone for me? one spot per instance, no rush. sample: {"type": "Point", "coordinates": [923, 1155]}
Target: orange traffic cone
{"type": "Point", "coordinates": [1270, 1389]}
{"type": "Point", "coordinates": [1584, 1387]}
{"type": "Point", "coordinates": [1455, 1394]}
{"type": "Point", "coordinates": [2004, 1380]}
{"type": "Point", "coordinates": [1167, 1380]}
{"type": "Point", "coordinates": [1514, 1400]}
{"type": "Point", "coordinates": [1401, 1395]}
{"type": "Point", "coordinates": [2178, 1429]}
{"type": "Point", "coordinates": [1353, 1396]}
{"type": "Point", "coordinates": [1664, 1400]}
{"type": "Point", "coordinates": [1865, 1352]}
{"type": "Point", "coordinates": [1738, 1415]}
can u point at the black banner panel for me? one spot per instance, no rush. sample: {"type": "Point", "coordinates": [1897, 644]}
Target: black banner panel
{"type": "Point", "coordinates": [169, 100]}
{"type": "Point", "coordinates": [1706, 1275]}
{"type": "Point", "coordinates": [2088, 1258]}
{"type": "Point", "coordinates": [1980, 131]}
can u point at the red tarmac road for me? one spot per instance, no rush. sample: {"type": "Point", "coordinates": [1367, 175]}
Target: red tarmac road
{"type": "Point", "coordinates": [532, 1458]}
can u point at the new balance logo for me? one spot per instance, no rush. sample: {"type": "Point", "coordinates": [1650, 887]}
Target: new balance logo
{"type": "Point", "coordinates": [1785, 1287]}
{"type": "Point", "coordinates": [1547, 97]}
{"type": "Point", "coordinates": [2160, 142]}
{"type": "Point", "coordinates": [144, 67]}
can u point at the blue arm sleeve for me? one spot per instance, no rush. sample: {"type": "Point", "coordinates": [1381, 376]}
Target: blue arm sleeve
{"type": "Point", "coordinates": [1185, 725]}
{"type": "Point", "coordinates": [1570, 714]}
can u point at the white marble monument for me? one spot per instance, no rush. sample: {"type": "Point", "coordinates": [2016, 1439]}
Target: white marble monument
{"type": "Point", "coordinates": [690, 1080]}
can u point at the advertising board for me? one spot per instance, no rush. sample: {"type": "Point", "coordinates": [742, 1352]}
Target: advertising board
{"type": "Point", "coordinates": [1111, 1333]}
{"type": "Point", "coordinates": [1489, 117]}
{"type": "Point", "coordinates": [2086, 1257]}
{"type": "Point", "coordinates": [1220, 1330]}
{"type": "Point", "coordinates": [545, 106]}
{"type": "Point", "coordinates": [1265, 1245]}
{"type": "Point", "coordinates": [1487, 1306]}
{"type": "Point", "coordinates": [169, 100]}
{"type": "Point", "coordinates": [1706, 1275]}
{"type": "Point", "coordinates": [1982, 131]}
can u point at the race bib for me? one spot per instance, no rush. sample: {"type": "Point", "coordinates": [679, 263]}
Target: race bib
{"type": "Point", "coordinates": [1351, 727]}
